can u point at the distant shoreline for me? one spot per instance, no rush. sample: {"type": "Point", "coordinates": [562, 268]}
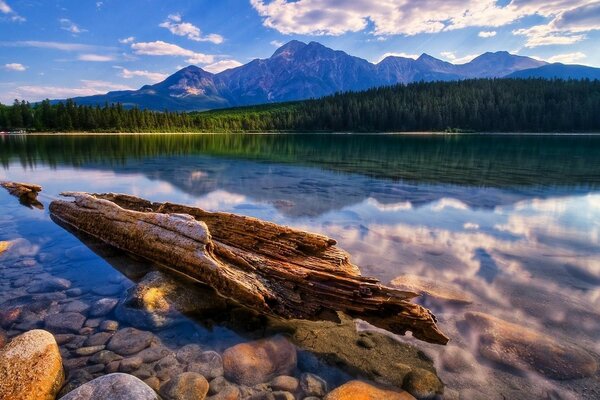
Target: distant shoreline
{"type": "Point", "coordinates": [304, 133]}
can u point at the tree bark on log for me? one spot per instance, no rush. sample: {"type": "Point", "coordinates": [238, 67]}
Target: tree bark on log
{"type": "Point", "coordinates": [267, 267]}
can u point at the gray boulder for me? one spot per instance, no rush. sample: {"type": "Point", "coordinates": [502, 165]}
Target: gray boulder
{"type": "Point", "coordinates": [114, 387]}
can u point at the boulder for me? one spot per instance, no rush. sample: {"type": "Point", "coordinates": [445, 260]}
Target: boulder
{"type": "Point", "coordinates": [103, 307]}
{"type": "Point", "coordinates": [284, 383]}
{"type": "Point", "coordinates": [50, 284]}
{"type": "Point", "coordinates": [423, 384]}
{"type": "Point", "coordinates": [31, 367]}
{"type": "Point", "coordinates": [523, 348]}
{"type": "Point", "coordinates": [358, 390]}
{"type": "Point", "coordinates": [209, 364]}
{"type": "Point", "coordinates": [313, 385]}
{"type": "Point", "coordinates": [187, 386]}
{"type": "Point", "coordinates": [129, 341]}
{"type": "Point", "coordinates": [259, 361]}
{"type": "Point", "coordinates": [114, 387]}
{"type": "Point", "coordinates": [64, 322]}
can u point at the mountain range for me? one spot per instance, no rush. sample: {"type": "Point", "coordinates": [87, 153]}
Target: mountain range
{"type": "Point", "coordinates": [298, 71]}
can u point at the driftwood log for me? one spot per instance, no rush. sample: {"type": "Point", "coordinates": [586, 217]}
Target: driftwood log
{"type": "Point", "coordinates": [267, 267]}
{"type": "Point", "coordinates": [26, 192]}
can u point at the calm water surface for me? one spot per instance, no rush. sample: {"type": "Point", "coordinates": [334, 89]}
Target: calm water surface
{"type": "Point", "coordinates": [513, 223]}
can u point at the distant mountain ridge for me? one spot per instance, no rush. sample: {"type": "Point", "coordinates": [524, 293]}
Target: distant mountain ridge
{"type": "Point", "coordinates": [298, 71]}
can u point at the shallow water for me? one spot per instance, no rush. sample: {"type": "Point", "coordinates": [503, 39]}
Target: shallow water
{"type": "Point", "coordinates": [511, 222]}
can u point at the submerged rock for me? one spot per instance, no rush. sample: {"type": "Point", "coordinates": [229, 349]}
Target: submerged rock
{"type": "Point", "coordinates": [114, 387]}
{"type": "Point", "coordinates": [50, 284]}
{"type": "Point", "coordinates": [187, 386]}
{"type": "Point", "coordinates": [423, 384]}
{"type": "Point", "coordinates": [358, 390]}
{"type": "Point", "coordinates": [64, 322]}
{"type": "Point", "coordinates": [129, 341]}
{"type": "Point", "coordinates": [313, 385]}
{"type": "Point", "coordinates": [259, 361]}
{"type": "Point", "coordinates": [4, 246]}
{"type": "Point", "coordinates": [519, 347]}
{"type": "Point", "coordinates": [31, 367]}
{"type": "Point", "coordinates": [103, 307]}
{"type": "Point", "coordinates": [432, 288]}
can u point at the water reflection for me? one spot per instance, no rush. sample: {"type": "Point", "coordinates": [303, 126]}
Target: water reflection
{"type": "Point", "coordinates": [512, 223]}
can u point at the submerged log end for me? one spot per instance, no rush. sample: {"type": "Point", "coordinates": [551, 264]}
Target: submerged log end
{"type": "Point", "coordinates": [26, 192]}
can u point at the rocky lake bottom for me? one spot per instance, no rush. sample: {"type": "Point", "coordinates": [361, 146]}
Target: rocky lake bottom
{"type": "Point", "coordinates": [511, 272]}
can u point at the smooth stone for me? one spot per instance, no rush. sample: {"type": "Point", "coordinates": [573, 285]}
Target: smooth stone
{"type": "Point", "coordinates": [74, 363]}
{"type": "Point", "coordinates": [92, 323]}
{"type": "Point", "coordinates": [105, 357]}
{"type": "Point", "coordinates": [218, 384]}
{"type": "Point", "coordinates": [281, 395]}
{"type": "Point", "coordinates": [3, 338]}
{"type": "Point", "coordinates": [88, 351]}
{"type": "Point", "coordinates": [520, 347]}
{"type": "Point", "coordinates": [9, 316]}
{"type": "Point", "coordinates": [143, 373]}
{"type": "Point", "coordinates": [366, 342]}
{"type": "Point", "coordinates": [358, 390]}
{"type": "Point", "coordinates": [153, 382]}
{"type": "Point", "coordinates": [64, 322]}
{"type": "Point", "coordinates": [168, 367]}
{"type": "Point", "coordinates": [98, 339]}
{"type": "Point", "coordinates": [189, 353]}
{"type": "Point", "coordinates": [313, 385]}
{"type": "Point", "coordinates": [229, 393]}
{"type": "Point", "coordinates": [76, 342]}
{"type": "Point", "coordinates": [50, 284]}
{"type": "Point", "coordinates": [103, 307]}
{"type": "Point", "coordinates": [130, 364]}
{"type": "Point", "coordinates": [259, 361]}
{"type": "Point", "coordinates": [455, 359]}
{"type": "Point", "coordinates": [114, 387]}
{"type": "Point", "coordinates": [187, 386]}
{"type": "Point", "coordinates": [74, 292]}
{"type": "Point", "coordinates": [112, 367]}
{"type": "Point", "coordinates": [31, 367]}
{"type": "Point", "coordinates": [285, 383]}
{"type": "Point", "coordinates": [94, 368]}
{"type": "Point", "coordinates": [129, 341]}
{"type": "Point", "coordinates": [154, 353]}
{"type": "Point", "coordinates": [431, 287]}
{"type": "Point", "coordinates": [423, 384]}
{"type": "Point", "coordinates": [77, 306]}
{"type": "Point", "coordinates": [209, 364]}
{"type": "Point", "coordinates": [109, 325]}
{"type": "Point", "coordinates": [75, 379]}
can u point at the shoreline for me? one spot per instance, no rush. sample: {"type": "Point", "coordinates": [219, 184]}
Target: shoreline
{"type": "Point", "coordinates": [305, 133]}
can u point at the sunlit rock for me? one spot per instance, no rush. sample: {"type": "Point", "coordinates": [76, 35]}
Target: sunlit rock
{"type": "Point", "coordinates": [113, 387]}
{"type": "Point", "coordinates": [358, 390]}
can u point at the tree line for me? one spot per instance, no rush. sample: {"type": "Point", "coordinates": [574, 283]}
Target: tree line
{"type": "Point", "coordinates": [482, 105]}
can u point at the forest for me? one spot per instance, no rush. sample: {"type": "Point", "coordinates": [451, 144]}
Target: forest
{"type": "Point", "coordinates": [480, 105]}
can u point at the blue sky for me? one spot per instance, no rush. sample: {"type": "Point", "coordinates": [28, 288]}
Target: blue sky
{"type": "Point", "coordinates": [68, 48]}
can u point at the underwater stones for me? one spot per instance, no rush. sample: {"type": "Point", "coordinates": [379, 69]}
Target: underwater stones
{"type": "Point", "coordinates": [50, 284]}
{"type": "Point", "coordinates": [129, 341]}
{"type": "Point", "coordinates": [519, 347]}
{"type": "Point", "coordinates": [455, 359]}
{"type": "Point", "coordinates": [154, 353]}
{"type": "Point", "coordinates": [98, 339]}
{"type": "Point", "coordinates": [284, 383]}
{"type": "Point", "coordinates": [64, 322]}
{"type": "Point", "coordinates": [423, 384]}
{"type": "Point", "coordinates": [231, 392]}
{"type": "Point", "coordinates": [186, 386]}
{"type": "Point", "coordinates": [77, 306]}
{"type": "Point", "coordinates": [431, 287]}
{"type": "Point", "coordinates": [358, 390]}
{"type": "Point", "coordinates": [130, 364]}
{"type": "Point", "coordinates": [31, 367]}
{"type": "Point", "coordinates": [105, 357]}
{"type": "Point", "coordinates": [88, 351]}
{"type": "Point", "coordinates": [259, 361]}
{"type": "Point", "coordinates": [109, 325]}
{"type": "Point", "coordinates": [209, 364]}
{"type": "Point", "coordinates": [168, 367]}
{"type": "Point", "coordinates": [26, 192]}
{"type": "Point", "coordinates": [103, 307]}
{"type": "Point", "coordinates": [189, 353]}
{"type": "Point", "coordinates": [313, 385]}
{"type": "Point", "coordinates": [114, 387]}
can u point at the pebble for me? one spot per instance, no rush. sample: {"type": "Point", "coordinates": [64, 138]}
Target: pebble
{"type": "Point", "coordinates": [105, 357]}
{"type": "Point", "coordinates": [50, 284]}
{"type": "Point", "coordinates": [209, 364]}
{"type": "Point", "coordinates": [98, 339]}
{"type": "Point", "coordinates": [130, 364]}
{"type": "Point", "coordinates": [109, 325]}
{"type": "Point", "coordinates": [77, 306]}
{"type": "Point", "coordinates": [313, 385]}
{"type": "Point", "coordinates": [88, 351]}
{"type": "Point", "coordinates": [130, 341]}
{"type": "Point", "coordinates": [113, 387]}
{"type": "Point", "coordinates": [187, 386]}
{"type": "Point", "coordinates": [103, 307]}
{"type": "Point", "coordinates": [285, 383]}
{"type": "Point", "coordinates": [64, 322]}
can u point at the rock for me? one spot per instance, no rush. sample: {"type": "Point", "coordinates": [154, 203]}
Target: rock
{"type": "Point", "coordinates": [313, 385]}
{"type": "Point", "coordinates": [280, 395]}
{"type": "Point", "coordinates": [98, 339]}
{"type": "Point", "coordinates": [3, 338]}
{"type": "Point", "coordinates": [64, 322]}
{"type": "Point", "coordinates": [143, 373]}
{"type": "Point", "coordinates": [50, 284]}
{"type": "Point", "coordinates": [366, 342]}
{"type": "Point", "coordinates": [74, 363]}
{"type": "Point", "coordinates": [103, 307]}
{"type": "Point", "coordinates": [523, 348]}
{"type": "Point", "coordinates": [26, 192]}
{"type": "Point", "coordinates": [455, 359]}
{"type": "Point", "coordinates": [113, 387]}
{"type": "Point", "coordinates": [209, 364]}
{"type": "Point", "coordinates": [93, 322]}
{"type": "Point", "coordinates": [129, 341]}
{"type": "Point", "coordinates": [88, 351]}
{"type": "Point", "coordinates": [423, 384]}
{"type": "Point", "coordinates": [108, 290]}
{"type": "Point", "coordinates": [109, 325]}
{"type": "Point", "coordinates": [76, 306]}
{"type": "Point", "coordinates": [284, 383]}
{"type": "Point", "coordinates": [31, 367]}
{"type": "Point", "coordinates": [187, 386]}
{"type": "Point", "coordinates": [75, 379]}
{"type": "Point", "coordinates": [154, 353]}
{"type": "Point", "coordinates": [4, 246]}
{"type": "Point", "coordinates": [76, 342]}
{"type": "Point", "coordinates": [74, 292]}
{"type": "Point", "coordinates": [9, 316]}
{"type": "Point", "coordinates": [189, 353]}
{"type": "Point", "coordinates": [259, 361]}
{"type": "Point", "coordinates": [168, 367]}
{"type": "Point", "coordinates": [153, 382]}
{"type": "Point", "coordinates": [229, 393]}
{"type": "Point", "coordinates": [130, 364]}
{"type": "Point", "coordinates": [112, 367]}
{"type": "Point", "coordinates": [358, 390]}
{"type": "Point", "coordinates": [436, 289]}
{"type": "Point", "coordinates": [105, 357]}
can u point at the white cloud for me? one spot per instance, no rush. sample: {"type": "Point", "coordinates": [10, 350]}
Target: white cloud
{"type": "Point", "coordinates": [392, 54]}
{"type": "Point", "coordinates": [453, 58]}
{"type": "Point", "coordinates": [277, 43]}
{"type": "Point", "coordinates": [15, 67]}
{"type": "Point", "coordinates": [176, 26]}
{"type": "Point", "coordinates": [55, 45]}
{"type": "Point", "coordinates": [95, 57]}
{"type": "Point", "coordinates": [6, 9]}
{"type": "Point", "coordinates": [160, 48]}
{"type": "Point", "coordinates": [70, 26]}
{"type": "Point", "coordinates": [152, 76]}
{"type": "Point", "coordinates": [565, 20]}
{"type": "Point", "coordinates": [567, 58]}
{"type": "Point", "coordinates": [87, 88]}
{"type": "Point", "coordinates": [221, 66]}
{"type": "Point", "coordinates": [127, 40]}
{"type": "Point", "coordinates": [486, 34]}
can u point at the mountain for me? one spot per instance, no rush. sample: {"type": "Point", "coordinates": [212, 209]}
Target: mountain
{"type": "Point", "coordinates": [299, 71]}
{"type": "Point", "coordinates": [560, 71]}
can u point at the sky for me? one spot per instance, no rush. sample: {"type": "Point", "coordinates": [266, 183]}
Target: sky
{"type": "Point", "coordinates": [68, 48]}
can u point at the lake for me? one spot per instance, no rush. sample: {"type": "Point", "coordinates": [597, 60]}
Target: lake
{"type": "Point", "coordinates": [500, 232]}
